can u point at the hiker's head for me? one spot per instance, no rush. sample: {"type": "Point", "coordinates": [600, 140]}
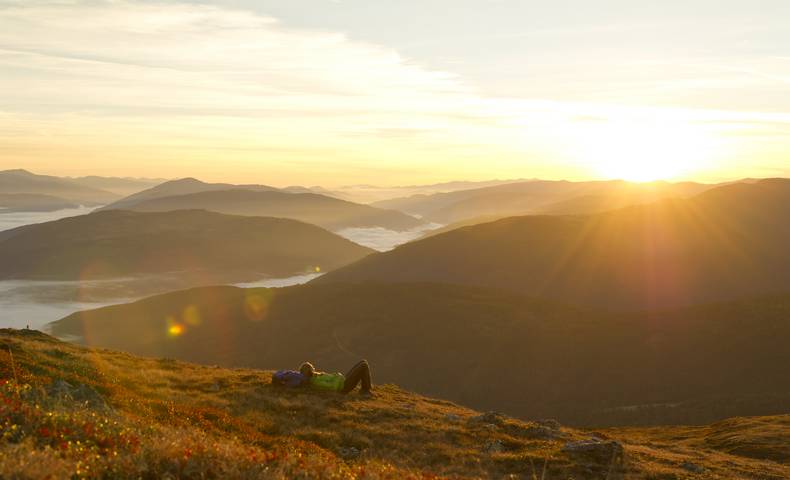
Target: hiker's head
{"type": "Point", "coordinates": [307, 369]}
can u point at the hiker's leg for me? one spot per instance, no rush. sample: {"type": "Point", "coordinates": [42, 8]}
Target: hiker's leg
{"type": "Point", "coordinates": [367, 381]}
{"type": "Point", "coordinates": [358, 373]}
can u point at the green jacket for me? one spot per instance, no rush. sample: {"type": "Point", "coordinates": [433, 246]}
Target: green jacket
{"type": "Point", "coordinates": [328, 381]}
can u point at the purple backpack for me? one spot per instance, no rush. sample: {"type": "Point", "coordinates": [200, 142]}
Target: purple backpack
{"type": "Point", "coordinates": [288, 378]}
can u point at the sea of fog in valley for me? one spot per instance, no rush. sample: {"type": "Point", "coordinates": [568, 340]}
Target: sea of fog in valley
{"type": "Point", "coordinates": [17, 219]}
{"type": "Point", "coordinates": [382, 239]}
{"type": "Point", "coordinates": [37, 303]}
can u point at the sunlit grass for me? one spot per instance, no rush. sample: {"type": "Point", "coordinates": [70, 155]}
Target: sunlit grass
{"type": "Point", "coordinates": [162, 418]}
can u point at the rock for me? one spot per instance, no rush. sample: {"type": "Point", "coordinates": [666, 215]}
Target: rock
{"type": "Point", "coordinates": [84, 394]}
{"type": "Point", "coordinates": [692, 467]}
{"type": "Point", "coordinates": [539, 432]}
{"type": "Point", "coordinates": [59, 388]}
{"type": "Point", "coordinates": [595, 449]}
{"type": "Point", "coordinates": [549, 423]}
{"type": "Point", "coordinates": [349, 453]}
{"type": "Point", "coordinates": [451, 417]}
{"type": "Point", "coordinates": [494, 446]}
{"type": "Point", "coordinates": [88, 395]}
{"type": "Point", "coordinates": [490, 426]}
{"type": "Point", "coordinates": [492, 418]}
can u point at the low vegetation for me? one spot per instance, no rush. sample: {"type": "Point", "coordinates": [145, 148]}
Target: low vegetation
{"type": "Point", "coordinates": [72, 412]}
{"type": "Point", "coordinates": [487, 349]}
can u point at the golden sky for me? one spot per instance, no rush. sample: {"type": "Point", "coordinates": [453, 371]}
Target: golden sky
{"type": "Point", "coordinates": [345, 92]}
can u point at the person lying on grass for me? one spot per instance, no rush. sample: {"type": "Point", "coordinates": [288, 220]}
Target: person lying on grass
{"type": "Point", "coordinates": [336, 382]}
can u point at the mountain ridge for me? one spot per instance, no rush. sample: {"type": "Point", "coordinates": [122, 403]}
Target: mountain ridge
{"type": "Point", "coordinates": [727, 242]}
{"type": "Point", "coordinates": [327, 212]}
{"type": "Point", "coordinates": [535, 197]}
{"type": "Point", "coordinates": [20, 181]}
{"type": "Point", "coordinates": [116, 243]}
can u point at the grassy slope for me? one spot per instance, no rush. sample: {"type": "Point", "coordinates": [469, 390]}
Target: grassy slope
{"type": "Point", "coordinates": [486, 349]}
{"type": "Point", "coordinates": [118, 243]}
{"type": "Point", "coordinates": [152, 418]}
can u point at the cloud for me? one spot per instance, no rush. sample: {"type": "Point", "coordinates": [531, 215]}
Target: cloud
{"type": "Point", "coordinates": [188, 89]}
{"type": "Point", "coordinates": [161, 47]}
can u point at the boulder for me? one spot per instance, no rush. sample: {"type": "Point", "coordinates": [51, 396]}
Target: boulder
{"type": "Point", "coordinates": [595, 450]}
{"type": "Point", "coordinates": [489, 418]}
{"type": "Point", "coordinates": [349, 453]}
{"type": "Point", "coordinates": [692, 467]}
{"type": "Point", "coordinates": [81, 393]}
{"type": "Point", "coordinates": [494, 446]}
{"type": "Point", "coordinates": [549, 423]}
{"type": "Point", "coordinates": [451, 417]}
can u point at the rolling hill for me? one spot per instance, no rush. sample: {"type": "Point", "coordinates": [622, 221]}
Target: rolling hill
{"type": "Point", "coordinates": [726, 243]}
{"type": "Point", "coordinates": [183, 186]}
{"type": "Point", "coordinates": [483, 348]}
{"type": "Point", "coordinates": [537, 197]}
{"type": "Point", "coordinates": [212, 245]}
{"type": "Point", "coordinates": [70, 412]}
{"type": "Point", "coordinates": [327, 212]}
{"type": "Point", "coordinates": [22, 181]}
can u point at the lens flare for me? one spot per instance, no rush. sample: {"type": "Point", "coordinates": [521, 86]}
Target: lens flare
{"type": "Point", "coordinates": [256, 306]}
{"type": "Point", "coordinates": [191, 316]}
{"type": "Point", "coordinates": [175, 330]}
{"type": "Point", "coordinates": [174, 327]}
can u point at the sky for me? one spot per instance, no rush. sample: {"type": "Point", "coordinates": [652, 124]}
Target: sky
{"type": "Point", "coordinates": [339, 92]}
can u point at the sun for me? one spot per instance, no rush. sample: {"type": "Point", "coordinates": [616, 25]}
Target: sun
{"type": "Point", "coordinates": [642, 152]}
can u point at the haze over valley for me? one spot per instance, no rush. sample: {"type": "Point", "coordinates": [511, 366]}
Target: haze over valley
{"type": "Point", "coordinates": [38, 290]}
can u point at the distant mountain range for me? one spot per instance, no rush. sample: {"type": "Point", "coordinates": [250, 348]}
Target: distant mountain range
{"type": "Point", "coordinates": [537, 197]}
{"type": "Point", "coordinates": [64, 190]}
{"type": "Point", "coordinates": [484, 348]}
{"type": "Point", "coordinates": [263, 200]}
{"type": "Point", "coordinates": [726, 243]}
{"type": "Point", "coordinates": [214, 246]}
{"type": "Point", "coordinates": [118, 185]}
{"type": "Point", "coordinates": [375, 193]}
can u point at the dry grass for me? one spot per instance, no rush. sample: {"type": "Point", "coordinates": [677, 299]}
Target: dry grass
{"type": "Point", "coordinates": [160, 418]}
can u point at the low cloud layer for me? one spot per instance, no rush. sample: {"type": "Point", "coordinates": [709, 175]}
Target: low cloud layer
{"type": "Point", "coordinates": [18, 219]}
{"type": "Point", "coordinates": [382, 239]}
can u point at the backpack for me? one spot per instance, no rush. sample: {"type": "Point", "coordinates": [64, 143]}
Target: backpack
{"type": "Point", "coordinates": [328, 381]}
{"type": "Point", "coordinates": [288, 378]}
